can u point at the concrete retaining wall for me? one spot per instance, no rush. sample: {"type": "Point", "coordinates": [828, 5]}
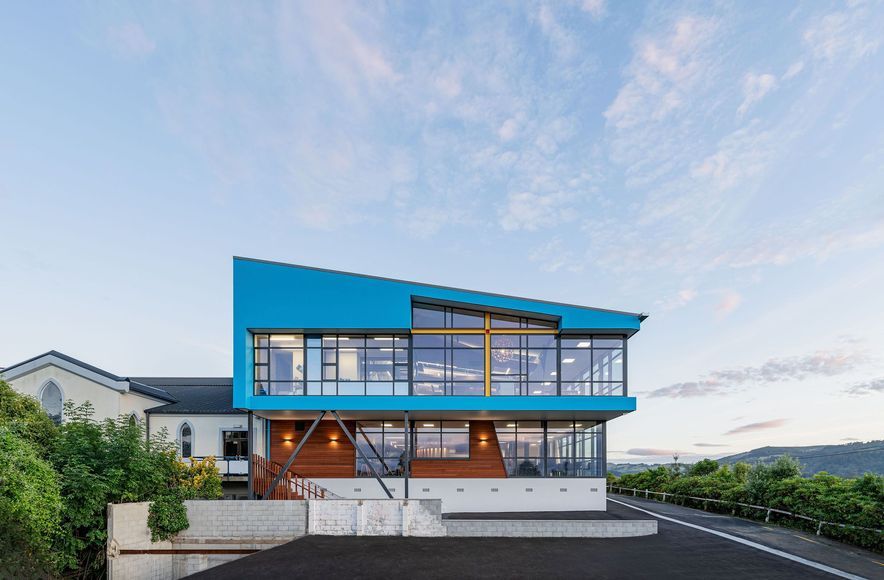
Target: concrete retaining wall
{"type": "Point", "coordinates": [352, 517]}
{"type": "Point", "coordinates": [551, 528]}
{"type": "Point", "coordinates": [216, 527]}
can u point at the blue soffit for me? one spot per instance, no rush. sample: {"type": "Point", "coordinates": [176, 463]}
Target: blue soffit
{"type": "Point", "coordinates": [273, 295]}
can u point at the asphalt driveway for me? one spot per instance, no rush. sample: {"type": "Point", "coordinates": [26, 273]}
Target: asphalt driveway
{"type": "Point", "coordinates": [675, 552]}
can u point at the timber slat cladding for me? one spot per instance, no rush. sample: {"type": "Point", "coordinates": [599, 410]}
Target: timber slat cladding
{"type": "Point", "coordinates": [484, 461]}
{"type": "Point", "coordinates": [328, 452]}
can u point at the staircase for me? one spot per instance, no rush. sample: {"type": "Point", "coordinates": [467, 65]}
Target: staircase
{"type": "Point", "coordinates": [291, 486]}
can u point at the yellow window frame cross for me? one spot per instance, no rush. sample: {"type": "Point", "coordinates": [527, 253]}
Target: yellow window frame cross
{"type": "Point", "coordinates": [487, 331]}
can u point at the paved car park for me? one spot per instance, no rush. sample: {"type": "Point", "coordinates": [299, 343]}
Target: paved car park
{"type": "Point", "coordinates": [677, 551]}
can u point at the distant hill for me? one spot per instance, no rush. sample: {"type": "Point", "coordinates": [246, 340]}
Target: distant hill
{"type": "Point", "coordinates": [847, 460]}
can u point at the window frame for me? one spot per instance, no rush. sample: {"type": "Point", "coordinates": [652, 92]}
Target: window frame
{"type": "Point", "coordinates": [413, 448]}
{"type": "Point", "coordinates": [54, 383]}
{"type": "Point", "coordinates": [180, 438]}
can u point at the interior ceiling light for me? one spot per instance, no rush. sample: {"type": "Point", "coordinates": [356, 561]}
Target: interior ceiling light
{"type": "Point", "coordinates": [567, 361]}
{"type": "Point", "coordinates": [583, 344]}
{"type": "Point", "coordinates": [429, 425]}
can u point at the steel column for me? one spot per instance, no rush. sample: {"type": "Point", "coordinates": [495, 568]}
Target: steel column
{"type": "Point", "coordinates": [251, 443]}
{"type": "Point", "coordinates": [407, 452]}
{"type": "Point", "coordinates": [361, 454]}
{"type": "Point", "coordinates": [294, 454]}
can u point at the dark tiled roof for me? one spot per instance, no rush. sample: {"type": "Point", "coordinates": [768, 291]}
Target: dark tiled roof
{"type": "Point", "coordinates": [207, 396]}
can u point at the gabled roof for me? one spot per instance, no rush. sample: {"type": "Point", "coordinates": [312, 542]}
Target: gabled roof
{"type": "Point", "coordinates": [76, 366]}
{"type": "Point", "coordinates": [195, 395]}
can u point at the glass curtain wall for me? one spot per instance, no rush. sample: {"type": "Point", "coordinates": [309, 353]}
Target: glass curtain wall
{"type": "Point", "coordinates": [383, 443]}
{"type": "Point", "coordinates": [331, 364]}
{"type": "Point", "coordinates": [524, 359]}
{"type": "Point", "coordinates": [551, 448]}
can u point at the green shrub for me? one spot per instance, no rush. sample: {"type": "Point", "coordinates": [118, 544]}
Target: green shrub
{"type": "Point", "coordinates": [779, 485]}
{"type": "Point", "coordinates": [167, 515]}
{"type": "Point", "coordinates": [30, 509]}
{"type": "Point", "coordinates": [101, 463]}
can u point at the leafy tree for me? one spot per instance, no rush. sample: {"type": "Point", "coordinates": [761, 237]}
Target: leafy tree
{"type": "Point", "coordinates": [30, 509]}
{"type": "Point", "coordinates": [102, 463]}
{"type": "Point", "coordinates": [24, 416]}
{"type": "Point", "coordinates": [703, 467]}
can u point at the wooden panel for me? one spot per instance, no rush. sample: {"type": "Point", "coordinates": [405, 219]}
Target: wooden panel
{"type": "Point", "coordinates": [328, 452]}
{"type": "Point", "coordinates": [484, 461]}
{"type": "Point", "coordinates": [323, 457]}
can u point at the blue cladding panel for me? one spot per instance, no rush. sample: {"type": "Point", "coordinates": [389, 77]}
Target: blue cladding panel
{"type": "Point", "coordinates": [444, 403]}
{"type": "Point", "coordinates": [267, 295]}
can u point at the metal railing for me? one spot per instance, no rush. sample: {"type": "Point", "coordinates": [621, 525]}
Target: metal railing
{"type": "Point", "coordinates": [227, 466]}
{"type": "Point", "coordinates": [291, 486]}
{"type": "Point", "coordinates": [706, 500]}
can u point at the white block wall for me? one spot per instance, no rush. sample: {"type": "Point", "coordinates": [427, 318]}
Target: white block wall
{"type": "Point", "coordinates": [483, 494]}
{"type": "Point", "coordinates": [217, 524]}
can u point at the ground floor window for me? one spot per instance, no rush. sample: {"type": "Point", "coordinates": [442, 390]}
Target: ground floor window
{"type": "Point", "coordinates": [383, 444]}
{"type": "Point", "coordinates": [551, 448]}
{"type": "Point", "coordinates": [236, 443]}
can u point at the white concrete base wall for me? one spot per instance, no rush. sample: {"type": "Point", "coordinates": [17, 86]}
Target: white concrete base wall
{"type": "Point", "coordinates": [483, 494]}
{"type": "Point", "coordinates": [357, 517]}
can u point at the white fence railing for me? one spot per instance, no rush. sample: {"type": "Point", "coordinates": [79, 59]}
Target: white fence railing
{"type": "Point", "coordinates": [769, 510]}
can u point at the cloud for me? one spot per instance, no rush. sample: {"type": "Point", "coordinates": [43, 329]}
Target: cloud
{"type": "Point", "coordinates": [740, 155]}
{"type": "Point", "coordinates": [775, 370]}
{"type": "Point", "coordinates": [794, 70]}
{"type": "Point", "coordinates": [559, 36]}
{"type": "Point", "coordinates": [728, 303]}
{"type": "Point", "coordinates": [508, 129]}
{"type": "Point", "coordinates": [710, 445]}
{"type": "Point", "coordinates": [679, 300]}
{"type": "Point", "coordinates": [651, 451]}
{"type": "Point", "coordinates": [130, 40]}
{"type": "Point", "coordinates": [595, 8]}
{"type": "Point", "coordinates": [553, 256]}
{"type": "Point", "coordinates": [662, 72]}
{"type": "Point", "coordinates": [755, 88]}
{"type": "Point", "coordinates": [842, 36]}
{"type": "Point", "coordinates": [760, 426]}
{"type": "Point", "coordinates": [866, 388]}
{"type": "Point", "coordinates": [531, 211]}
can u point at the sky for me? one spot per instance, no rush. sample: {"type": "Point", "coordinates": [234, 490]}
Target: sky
{"type": "Point", "coordinates": [719, 165]}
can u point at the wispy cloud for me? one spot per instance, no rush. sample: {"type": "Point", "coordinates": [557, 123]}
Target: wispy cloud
{"type": "Point", "coordinates": [755, 88]}
{"type": "Point", "coordinates": [651, 452]}
{"type": "Point", "coordinates": [842, 34]}
{"type": "Point", "coordinates": [775, 370]}
{"type": "Point", "coordinates": [679, 300]}
{"type": "Point", "coordinates": [874, 386]}
{"type": "Point", "coordinates": [729, 302]}
{"type": "Point", "coordinates": [596, 8]}
{"type": "Point", "coordinates": [130, 40]}
{"type": "Point", "coordinates": [710, 445]}
{"type": "Point", "coordinates": [760, 426]}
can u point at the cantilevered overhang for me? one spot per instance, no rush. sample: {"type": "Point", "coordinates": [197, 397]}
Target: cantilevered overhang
{"type": "Point", "coordinates": [449, 407]}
